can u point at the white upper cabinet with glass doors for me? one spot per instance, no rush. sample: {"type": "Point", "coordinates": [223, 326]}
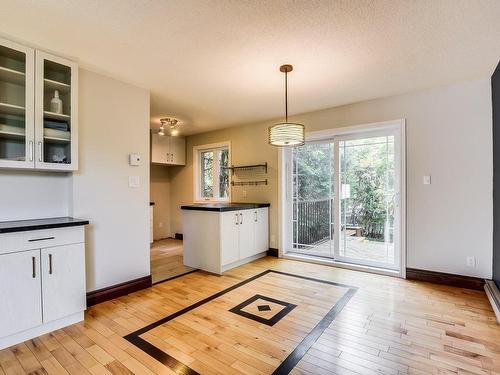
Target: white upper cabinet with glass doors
{"type": "Point", "coordinates": [38, 109]}
{"type": "Point", "coordinates": [16, 105]}
{"type": "Point", "coordinates": [56, 113]}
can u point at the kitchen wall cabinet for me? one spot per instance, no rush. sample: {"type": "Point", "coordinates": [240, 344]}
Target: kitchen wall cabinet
{"type": "Point", "coordinates": [216, 241]}
{"type": "Point", "coordinates": [33, 133]}
{"type": "Point", "coordinates": [42, 282]}
{"type": "Point", "coordinates": [168, 150]}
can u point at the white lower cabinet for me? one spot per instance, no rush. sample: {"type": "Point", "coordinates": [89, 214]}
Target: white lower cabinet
{"type": "Point", "coordinates": [216, 241]}
{"type": "Point", "coordinates": [246, 230]}
{"type": "Point", "coordinates": [63, 280]}
{"type": "Point", "coordinates": [230, 248]}
{"type": "Point", "coordinates": [261, 230]}
{"type": "Point", "coordinates": [243, 234]}
{"type": "Point", "coordinates": [43, 288]}
{"type": "Point", "coordinates": [20, 292]}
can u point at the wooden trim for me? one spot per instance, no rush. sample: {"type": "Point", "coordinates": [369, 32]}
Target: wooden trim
{"type": "Point", "coordinates": [460, 281]}
{"type": "Point", "coordinates": [118, 290]}
{"type": "Point", "coordinates": [272, 252]}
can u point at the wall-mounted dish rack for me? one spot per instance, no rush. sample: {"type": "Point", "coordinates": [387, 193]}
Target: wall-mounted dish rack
{"type": "Point", "coordinates": [235, 168]}
{"type": "Point", "coordinates": [249, 183]}
{"type": "Point", "coordinates": [247, 173]}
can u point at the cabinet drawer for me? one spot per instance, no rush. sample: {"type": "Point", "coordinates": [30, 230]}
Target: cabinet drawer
{"type": "Point", "coordinates": [36, 239]}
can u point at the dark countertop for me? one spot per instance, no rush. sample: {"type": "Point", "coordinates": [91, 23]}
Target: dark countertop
{"type": "Point", "coordinates": [36, 224]}
{"type": "Point", "coordinates": [222, 207]}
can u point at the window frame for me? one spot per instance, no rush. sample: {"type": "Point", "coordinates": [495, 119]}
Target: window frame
{"type": "Point", "coordinates": [197, 150]}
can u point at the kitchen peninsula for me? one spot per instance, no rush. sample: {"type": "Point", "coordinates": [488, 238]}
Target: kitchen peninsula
{"type": "Point", "coordinates": [221, 236]}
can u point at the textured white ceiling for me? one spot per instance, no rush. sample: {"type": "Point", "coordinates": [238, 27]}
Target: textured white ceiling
{"type": "Point", "coordinates": [215, 63]}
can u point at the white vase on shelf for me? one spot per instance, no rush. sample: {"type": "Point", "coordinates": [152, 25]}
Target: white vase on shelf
{"type": "Point", "coordinates": [56, 104]}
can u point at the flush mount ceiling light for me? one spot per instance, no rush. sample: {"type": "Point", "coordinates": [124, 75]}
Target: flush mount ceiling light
{"type": "Point", "coordinates": [171, 122]}
{"type": "Point", "coordinates": [286, 133]}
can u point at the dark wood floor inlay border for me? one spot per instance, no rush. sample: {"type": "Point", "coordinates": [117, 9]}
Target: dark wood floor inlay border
{"type": "Point", "coordinates": [238, 310]}
{"type": "Point", "coordinates": [285, 367]}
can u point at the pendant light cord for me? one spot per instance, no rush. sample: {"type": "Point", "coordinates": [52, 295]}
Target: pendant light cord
{"type": "Point", "coordinates": [286, 96]}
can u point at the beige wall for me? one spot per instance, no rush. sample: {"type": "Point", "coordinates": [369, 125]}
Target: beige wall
{"type": "Point", "coordinates": [160, 194]}
{"type": "Point", "coordinates": [113, 122]}
{"type": "Point", "coordinates": [448, 137]}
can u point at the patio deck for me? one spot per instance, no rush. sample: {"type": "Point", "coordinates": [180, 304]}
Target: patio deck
{"type": "Point", "coordinates": [357, 248]}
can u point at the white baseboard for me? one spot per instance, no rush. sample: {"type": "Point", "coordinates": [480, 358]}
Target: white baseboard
{"type": "Point", "coordinates": [17, 338]}
{"type": "Point", "coordinates": [494, 296]}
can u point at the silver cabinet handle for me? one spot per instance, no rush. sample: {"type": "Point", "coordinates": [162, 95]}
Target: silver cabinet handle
{"type": "Point", "coordinates": [31, 150]}
{"type": "Point", "coordinates": [50, 264]}
{"type": "Point", "coordinates": [40, 151]}
{"type": "Point", "coordinates": [33, 265]}
{"type": "Point", "coordinates": [255, 213]}
{"type": "Point", "coordinates": [241, 218]}
{"type": "Point", "coordinates": [236, 216]}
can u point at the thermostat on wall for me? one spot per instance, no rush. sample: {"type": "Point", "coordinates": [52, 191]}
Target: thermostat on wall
{"type": "Point", "coordinates": [134, 159]}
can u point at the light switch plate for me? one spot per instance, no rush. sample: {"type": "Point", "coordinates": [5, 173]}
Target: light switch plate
{"type": "Point", "coordinates": [427, 180]}
{"type": "Point", "coordinates": [134, 160]}
{"type": "Point", "coordinates": [134, 181]}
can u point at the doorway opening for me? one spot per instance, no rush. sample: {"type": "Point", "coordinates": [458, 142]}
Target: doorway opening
{"type": "Point", "coordinates": [342, 198]}
{"type": "Point", "coordinates": [166, 249]}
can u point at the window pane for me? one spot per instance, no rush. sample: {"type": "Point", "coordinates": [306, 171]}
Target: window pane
{"type": "Point", "coordinates": [223, 173]}
{"type": "Point", "coordinates": [207, 165]}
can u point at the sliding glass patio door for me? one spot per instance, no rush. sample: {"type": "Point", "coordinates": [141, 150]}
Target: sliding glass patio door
{"type": "Point", "coordinates": [313, 195]}
{"type": "Point", "coordinates": [345, 198]}
{"type": "Point", "coordinates": [368, 213]}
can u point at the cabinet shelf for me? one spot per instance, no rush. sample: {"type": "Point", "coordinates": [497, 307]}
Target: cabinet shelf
{"type": "Point", "coordinates": [55, 116]}
{"type": "Point", "coordinates": [12, 76]}
{"type": "Point", "coordinates": [11, 109]}
{"type": "Point", "coordinates": [50, 85]}
{"type": "Point", "coordinates": [5, 134]}
{"type": "Point", "coordinates": [57, 140]}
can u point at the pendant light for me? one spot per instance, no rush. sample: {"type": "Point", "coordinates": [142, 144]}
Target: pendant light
{"type": "Point", "coordinates": [286, 134]}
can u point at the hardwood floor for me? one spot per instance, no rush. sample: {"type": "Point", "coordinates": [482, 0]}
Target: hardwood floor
{"type": "Point", "coordinates": [166, 260]}
{"type": "Point", "coordinates": [388, 326]}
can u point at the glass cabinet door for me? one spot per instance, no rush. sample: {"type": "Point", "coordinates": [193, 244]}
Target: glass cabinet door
{"type": "Point", "coordinates": [16, 105]}
{"type": "Point", "coordinates": [56, 118]}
